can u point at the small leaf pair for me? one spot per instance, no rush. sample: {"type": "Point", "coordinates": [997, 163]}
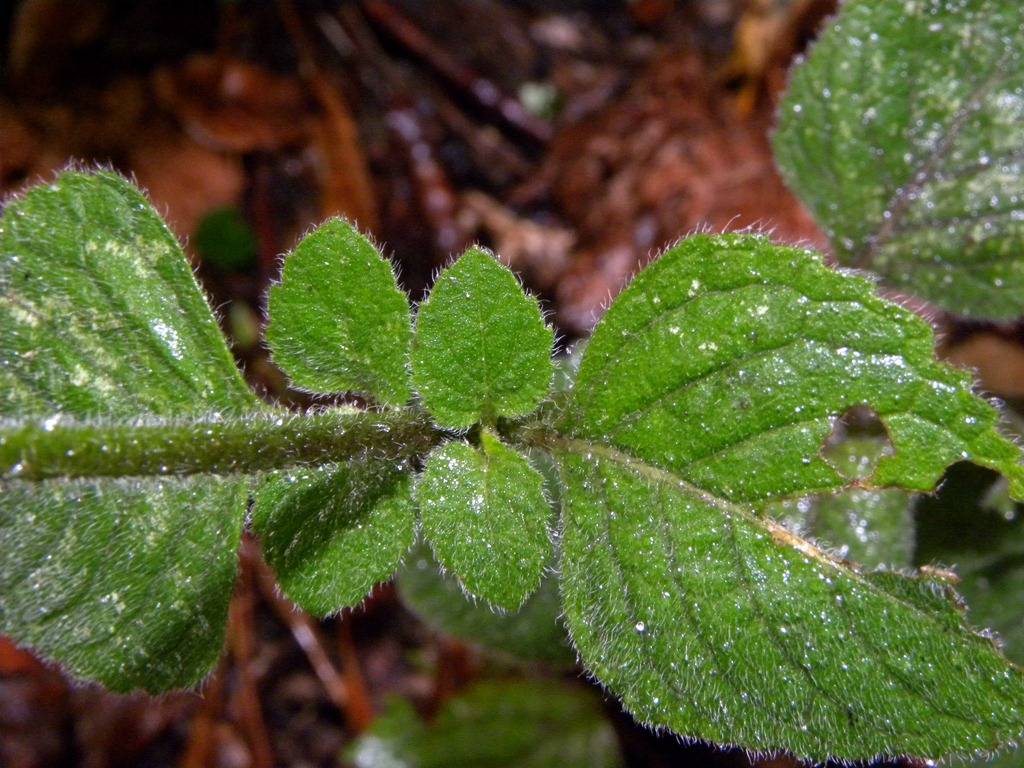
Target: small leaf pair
{"type": "Point", "coordinates": [480, 351]}
{"type": "Point", "coordinates": [339, 323]}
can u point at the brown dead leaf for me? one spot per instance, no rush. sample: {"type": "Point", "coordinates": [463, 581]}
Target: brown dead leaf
{"type": "Point", "coordinates": [997, 360]}
{"type": "Point", "coordinates": [233, 106]}
{"type": "Point", "coordinates": [665, 160]}
{"type": "Point", "coordinates": [186, 180]}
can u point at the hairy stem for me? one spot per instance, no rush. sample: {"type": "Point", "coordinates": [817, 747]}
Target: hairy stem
{"type": "Point", "coordinates": [36, 450]}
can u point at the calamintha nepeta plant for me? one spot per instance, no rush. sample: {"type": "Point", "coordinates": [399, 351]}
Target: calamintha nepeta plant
{"type": "Point", "coordinates": [130, 446]}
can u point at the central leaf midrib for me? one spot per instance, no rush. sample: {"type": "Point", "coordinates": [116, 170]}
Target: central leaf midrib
{"type": "Point", "coordinates": [711, 652]}
{"type": "Point", "coordinates": [487, 375]}
{"type": "Point", "coordinates": [584, 448]}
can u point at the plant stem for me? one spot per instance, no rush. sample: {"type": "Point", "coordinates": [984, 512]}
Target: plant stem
{"type": "Point", "coordinates": [63, 447]}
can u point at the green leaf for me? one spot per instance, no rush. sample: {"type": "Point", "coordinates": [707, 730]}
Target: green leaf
{"type": "Point", "coordinates": [332, 532]}
{"type": "Point", "coordinates": [534, 633]}
{"type": "Point", "coordinates": [100, 314]}
{"type": "Point", "coordinates": [903, 134]}
{"type": "Point", "coordinates": [719, 625]}
{"type": "Point", "coordinates": [729, 359]}
{"type": "Point", "coordinates": [481, 348]}
{"type": "Point", "coordinates": [486, 517]}
{"type": "Point", "coordinates": [338, 320]}
{"type": "Point", "coordinates": [126, 581]}
{"type": "Point", "coordinates": [712, 383]}
{"type": "Point", "coordinates": [495, 725]}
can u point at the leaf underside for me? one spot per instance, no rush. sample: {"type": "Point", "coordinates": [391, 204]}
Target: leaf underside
{"type": "Point", "coordinates": [338, 320]}
{"type": "Point", "coordinates": [709, 388]}
{"type": "Point", "coordinates": [101, 317]}
{"type": "Point", "coordinates": [525, 724]}
{"type": "Point", "coordinates": [903, 133]}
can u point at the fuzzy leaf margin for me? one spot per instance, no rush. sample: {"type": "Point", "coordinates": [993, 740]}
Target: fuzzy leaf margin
{"type": "Point", "coordinates": [338, 320]}
{"type": "Point", "coordinates": [709, 388]}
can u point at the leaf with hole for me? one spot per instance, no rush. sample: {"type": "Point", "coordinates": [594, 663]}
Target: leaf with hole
{"type": "Point", "coordinates": [729, 359]}
{"type": "Point", "coordinates": [709, 387]}
{"type": "Point", "coordinates": [873, 527]}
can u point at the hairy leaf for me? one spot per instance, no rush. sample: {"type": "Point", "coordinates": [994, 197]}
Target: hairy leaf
{"type": "Point", "coordinates": [100, 314]}
{"type": "Point", "coordinates": [717, 624]}
{"type": "Point", "coordinates": [729, 359]}
{"type": "Point", "coordinates": [481, 348]}
{"type": "Point", "coordinates": [711, 383]}
{"type": "Point", "coordinates": [484, 513]}
{"type": "Point", "coordinates": [332, 532]}
{"type": "Point", "coordinates": [125, 581]}
{"type": "Point", "coordinates": [528, 725]}
{"type": "Point", "coordinates": [904, 135]}
{"type": "Point", "coordinates": [338, 320]}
